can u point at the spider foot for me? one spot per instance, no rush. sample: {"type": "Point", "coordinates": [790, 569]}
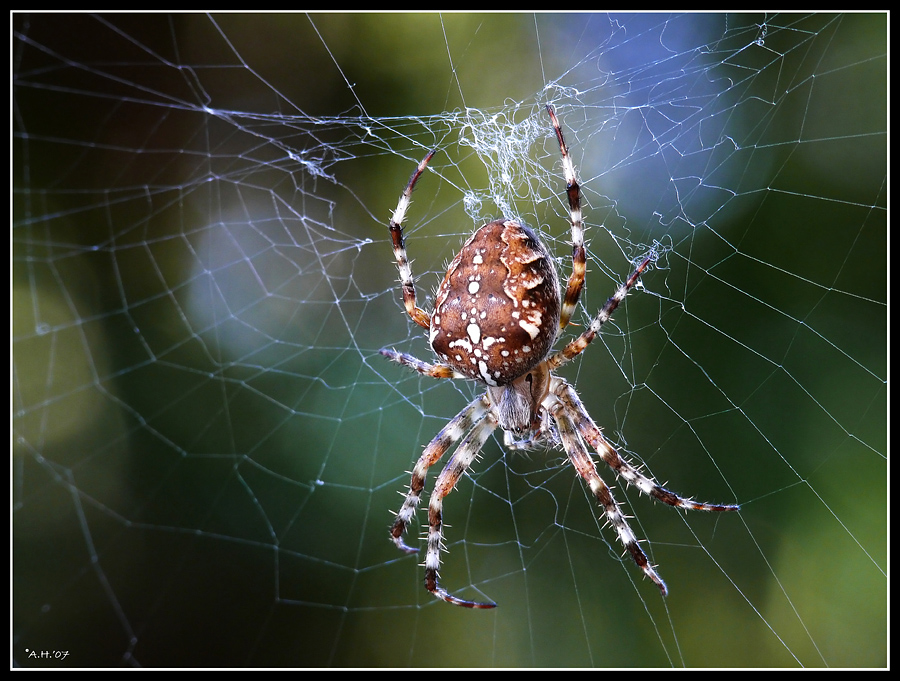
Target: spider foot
{"type": "Point", "coordinates": [640, 559]}
{"type": "Point", "coordinates": [397, 537]}
{"type": "Point", "coordinates": [431, 584]}
{"type": "Point", "coordinates": [656, 579]}
{"type": "Point", "coordinates": [400, 544]}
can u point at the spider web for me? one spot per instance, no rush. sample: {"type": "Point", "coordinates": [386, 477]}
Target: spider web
{"type": "Point", "coordinates": [207, 445]}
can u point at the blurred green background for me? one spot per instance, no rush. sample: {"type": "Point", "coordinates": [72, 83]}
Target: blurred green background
{"type": "Point", "coordinates": [206, 444]}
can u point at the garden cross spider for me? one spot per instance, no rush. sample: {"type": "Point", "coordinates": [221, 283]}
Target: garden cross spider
{"type": "Point", "coordinates": [497, 315]}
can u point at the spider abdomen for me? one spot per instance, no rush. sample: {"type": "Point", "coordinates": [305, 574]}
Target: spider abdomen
{"type": "Point", "coordinates": [496, 314]}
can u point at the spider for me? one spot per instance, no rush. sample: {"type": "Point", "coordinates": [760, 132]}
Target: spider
{"type": "Point", "coordinates": [497, 314]}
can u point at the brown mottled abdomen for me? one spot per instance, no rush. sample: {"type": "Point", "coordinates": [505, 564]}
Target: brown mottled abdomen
{"type": "Point", "coordinates": [496, 314]}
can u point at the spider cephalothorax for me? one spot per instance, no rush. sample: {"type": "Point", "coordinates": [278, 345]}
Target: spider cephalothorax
{"type": "Point", "coordinates": [497, 315]}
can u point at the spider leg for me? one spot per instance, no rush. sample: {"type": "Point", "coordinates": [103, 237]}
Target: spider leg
{"type": "Point", "coordinates": [462, 458]}
{"type": "Point", "coordinates": [573, 192]}
{"type": "Point", "coordinates": [418, 315]}
{"type": "Point", "coordinates": [584, 464]}
{"type": "Point", "coordinates": [577, 346]}
{"type": "Point", "coordinates": [433, 370]}
{"type": "Point", "coordinates": [464, 421]}
{"type": "Point", "coordinates": [593, 435]}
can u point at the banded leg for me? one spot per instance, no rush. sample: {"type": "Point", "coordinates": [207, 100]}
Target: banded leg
{"type": "Point", "coordinates": [473, 413]}
{"type": "Point", "coordinates": [459, 463]}
{"type": "Point", "coordinates": [584, 464]}
{"type": "Point", "coordinates": [594, 437]}
{"type": "Point", "coordinates": [579, 262]}
{"type": "Point", "coordinates": [418, 315]}
{"type": "Point", "coordinates": [577, 346]}
{"type": "Point", "coordinates": [416, 364]}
